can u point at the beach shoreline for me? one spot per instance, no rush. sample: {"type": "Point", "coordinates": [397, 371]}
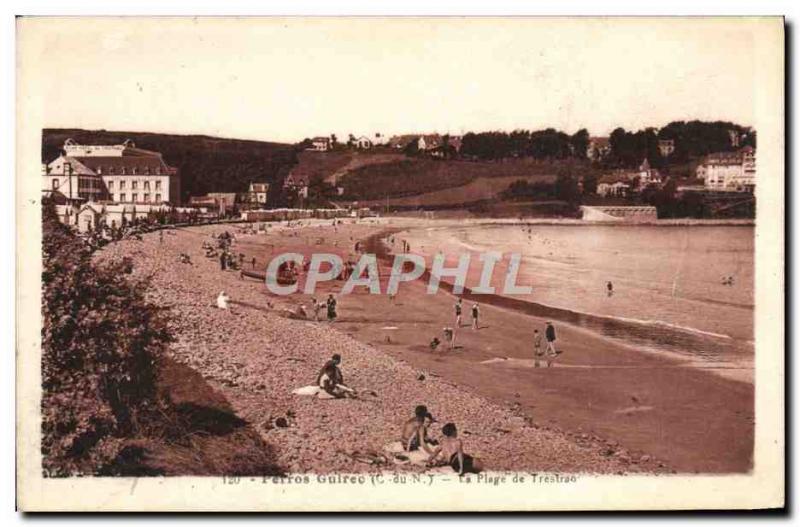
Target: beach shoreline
{"type": "Point", "coordinates": [598, 391]}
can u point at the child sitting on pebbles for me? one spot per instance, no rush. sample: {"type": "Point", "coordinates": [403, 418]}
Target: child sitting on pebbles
{"type": "Point", "coordinates": [414, 434]}
{"type": "Point", "coordinates": [452, 451]}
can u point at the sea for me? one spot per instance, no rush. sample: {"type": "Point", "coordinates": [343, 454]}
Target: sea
{"type": "Point", "coordinates": [686, 290]}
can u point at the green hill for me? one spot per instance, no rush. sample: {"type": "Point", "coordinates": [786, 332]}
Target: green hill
{"type": "Point", "coordinates": [206, 164]}
{"type": "Point", "coordinates": [433, 178]}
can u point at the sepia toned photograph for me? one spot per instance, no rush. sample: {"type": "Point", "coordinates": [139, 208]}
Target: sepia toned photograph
{"type": "Point", "coordinates": [406, 264]}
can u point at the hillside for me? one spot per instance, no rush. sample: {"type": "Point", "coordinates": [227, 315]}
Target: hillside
{"type": "Point", "coordinates": [330, 166]}
{"type": "Point", "coordinates": [479, 189]}
{"type": "Point", "coordinates": [416, 177]}
{"type": "Point", "coordinates": [206, 164]}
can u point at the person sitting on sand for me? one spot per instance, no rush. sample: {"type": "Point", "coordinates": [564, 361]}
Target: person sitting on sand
{"type": "Point", "coordinates": [452, 451]}
{"type": "Point", "coordinates": [331, 380]}
{"type": "Point", "coordinates": [222, 300]}
{"type": "Point", "coordinates": [414, 434]}
{"type": "Point", "coordinates": [300, 312]}
{"type": "Point", "coordinates": [435, 343]}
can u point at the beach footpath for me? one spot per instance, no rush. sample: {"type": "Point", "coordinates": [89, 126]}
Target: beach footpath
{"type": "Point", "coordinates": [255, 355]}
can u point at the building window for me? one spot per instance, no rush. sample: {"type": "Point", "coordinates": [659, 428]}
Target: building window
{"type": "Point", "coordinates": [158, 198]}
{"type": "Point", "coordinates": [158, 185]}
{"type": "Point", "coordinates": [158, 169]}
{"type": "Point", "coordinates": [110, 185]}
{"type": "Point", "coordinates": [122, 185]}
{"type": "Point", "coordinates": [99, 170]}
{"type": "Point", "coordinates": [147, 198]}
{"type": "Point", "coordinates": [134, 197]}
{"type": "Point", "coordinates": [122, 171]}
{"type": "Point", "coordinates": [147, 185]}
{"type": "Point", "coordinates": [55, 184]}
{"type": "Point", "coordinates": [122, 197]}
{"type": "Point", "coordinates": [134, 185]}
{"type": "Point", "coordinates": [133, 171]}
{"type": "Point", "coordinates": [111, 170]}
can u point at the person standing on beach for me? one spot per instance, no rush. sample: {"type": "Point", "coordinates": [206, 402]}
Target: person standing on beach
{"type": "Point", "coordinates": [222, 260]}
{"type": "Point", "coordinates": [475, 316]}
{"type": "Point", "coordinates": [315, 307]}
{"type": "Point", "coordinates": [331, 303]}
{"type": "Point", "coordinates": [458, 313]}
{"type": "Point", "coordinates": [610, 288]}
{"type": "Point", "coordinates": [161, 236]}
{"type": "Point", "coordinates": [550, 336]}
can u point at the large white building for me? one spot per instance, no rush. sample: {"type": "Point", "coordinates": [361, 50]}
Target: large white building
{"type": "Point", "coordinates": [729, 171]}
{"type": "Point", "coordinates": [117, 173]}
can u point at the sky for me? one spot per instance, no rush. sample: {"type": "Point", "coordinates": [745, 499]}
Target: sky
{"type": "Point", "coordinates": [284, 79]}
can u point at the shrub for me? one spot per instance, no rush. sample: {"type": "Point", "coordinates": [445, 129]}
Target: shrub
{"type": "Point", "coordinates": [100, 340]}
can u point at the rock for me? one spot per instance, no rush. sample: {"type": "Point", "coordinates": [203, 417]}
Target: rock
{"type": "Point", "coordinates": [645, 458]}
{"type": "Point", "coordinates": [281, 422]}
{"type": "Point", "coordinates": [421, 377]}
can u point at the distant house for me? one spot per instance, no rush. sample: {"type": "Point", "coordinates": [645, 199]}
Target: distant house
{"type": "Point", "coordinates": [89, 217]}
{"type": "Point", "coordinates": [598, 148]}
{"type": "Point", "coordinates": [320, 144]}
{"type": "Point", "coordinates": [614, 185]}
{"type": "Point", "coordinates": [119, 173]}
{"type": "Point", "coordinates": [363, 143]}
{"type": "Point", "coordinates": [735, 138]}
{"type": "Point", "coordinates": [203, 201]}
{"type": "Point", "coordinates": [648, 175]}
{"type": "Point", "coordinates": [729, 171]}
{"type": "Point", "coordinates": [666, 147]}
{"type": "Point", "coordinates": [297, 183]}
{"type": "Point", "coordinates": [220, 202]}
{"type": "Point", "coordinates": [400, 142]}
{"type": "Point", "coordinates": [258, 193]}
{"type": "Point", "coordinates": [429, 142]}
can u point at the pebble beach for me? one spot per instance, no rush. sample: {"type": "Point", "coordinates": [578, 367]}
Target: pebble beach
{"type": "Point", "coordinates": [255, 355]}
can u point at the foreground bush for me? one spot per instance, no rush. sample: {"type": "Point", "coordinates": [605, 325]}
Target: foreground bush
{"type": "Point", "coordinates": [100, 342]}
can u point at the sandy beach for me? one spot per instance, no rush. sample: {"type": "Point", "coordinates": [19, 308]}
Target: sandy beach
{"type": "Point", "coordinates": [602, 408]}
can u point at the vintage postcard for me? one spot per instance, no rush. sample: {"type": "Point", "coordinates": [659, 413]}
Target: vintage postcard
{"type": "Point", "coordinates": [400, 264]}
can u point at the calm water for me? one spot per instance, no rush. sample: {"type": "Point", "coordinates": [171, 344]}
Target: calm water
{"type": "Point", "coordinates": [667, 280]}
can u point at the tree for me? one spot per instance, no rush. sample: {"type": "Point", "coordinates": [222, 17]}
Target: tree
{"type": "Point", "coordinates": [412, 148]}
{"type": "Point", "coordinates": [580, 143]}
{"type": "Point", "coordinates": [590, 184]}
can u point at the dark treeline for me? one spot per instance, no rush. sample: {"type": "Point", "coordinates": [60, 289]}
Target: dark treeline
{"type": "Point", "coordinates": [543, 144]}
{"type": "Point", "coordinates": [206, 164]}
{"type": "Point", "coordinates": [692, 139]}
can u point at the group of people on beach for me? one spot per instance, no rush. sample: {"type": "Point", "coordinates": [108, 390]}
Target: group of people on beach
{"type": "Point", "coordinates": [414, 436]}
{"type": "Point", "coordinates": [450, 332]}
{"type": "Point", "coordinates": [414, 432]}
